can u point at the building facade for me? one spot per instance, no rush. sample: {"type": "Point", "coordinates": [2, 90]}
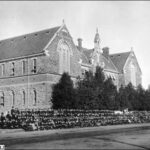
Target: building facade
{"type": "Point", "coordinates": [32, 63]}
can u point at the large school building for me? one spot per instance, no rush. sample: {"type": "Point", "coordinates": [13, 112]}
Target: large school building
{"type": "Point", "coordinates": [30, 64]}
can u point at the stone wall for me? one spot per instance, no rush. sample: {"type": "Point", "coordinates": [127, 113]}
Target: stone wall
{"type": "Point", "coordinates": [127, 71]}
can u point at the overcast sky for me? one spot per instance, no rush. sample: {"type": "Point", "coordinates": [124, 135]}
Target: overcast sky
{"type": "Point", "coordinates": [121, 25]}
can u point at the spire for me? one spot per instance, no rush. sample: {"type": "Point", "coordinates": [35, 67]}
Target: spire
{"type": "Point", "coordinates": [97, 38]}
{"type": "Point", "coordinates": [63, 22]}
{"type": "Point", "coordinates": [96, 30]}
{"type": "Point", "coordinates": [131, 49]}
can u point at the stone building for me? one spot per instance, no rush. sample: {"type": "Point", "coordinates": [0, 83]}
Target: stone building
{"type": "Point", "coordinates": [30, 64]}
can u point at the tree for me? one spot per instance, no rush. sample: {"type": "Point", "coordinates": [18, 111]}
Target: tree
{"type": "Point", "coordinates": [85, 92]}
{"type": "Point", "coordinates": [95, 92]}
{"type": "Point", "coordinates": [63, 95]}
{"type": "Point", "coordinates": [147, 98]}
{"type": "Point", "coordinates": [142, 98]}
{"type": "Point", "coordinates": [109, 94]}
{"type": "Point", "coordinates": [99, 80]}
{"type": "Point", "coordinates": [131, 96]}
{"type": "Point", "coordinates": [122, 98]}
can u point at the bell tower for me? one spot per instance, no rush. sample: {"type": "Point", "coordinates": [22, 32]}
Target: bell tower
{"type": "Point", "coordinates": [97, 40]}
{"type": "Point", "coordinates": [96, 53]}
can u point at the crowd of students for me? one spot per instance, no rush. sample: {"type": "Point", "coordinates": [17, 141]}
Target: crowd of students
{"type": "Point", "coordinates": [38, 119]}
{"type": "Point", "coordinates": [10, 120]}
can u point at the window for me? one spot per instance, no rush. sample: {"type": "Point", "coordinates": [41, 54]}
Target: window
{"type": "Point", "coordinates": [13, 98]}
{"type": "Point", "coordinates": [64, 58]}
{"type": "Point", "coordinates": [23, 67]}
{"type": "Point", "coordinates": [13, 69]}
{"type": "Point", "coordinates": [2, 99]}
{"type": "Point", "coordinates": [3, 69]}
{"type": "Point", "coordinates": [23, 98]}
{"type": "Point", "coordinates": [34, 97]}
{"type": "Point", "coordinates": [34, 66]}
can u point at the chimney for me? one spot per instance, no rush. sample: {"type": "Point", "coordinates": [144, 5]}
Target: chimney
{"type": "Point", "coordinates": [79, 43]}
{"type": "Point", "coordinates": [106, 52]}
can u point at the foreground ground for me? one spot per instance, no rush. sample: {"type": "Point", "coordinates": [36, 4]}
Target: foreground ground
{"type": "Point", "coordinates": [104, 137]}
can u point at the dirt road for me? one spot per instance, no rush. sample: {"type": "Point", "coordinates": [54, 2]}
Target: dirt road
{"type": "Point", "coordinates": [105, 137]}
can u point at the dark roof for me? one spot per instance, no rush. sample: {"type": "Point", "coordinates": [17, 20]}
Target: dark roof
{"type": "Point", "coordinates": [84, 59]}
{"type": "Point", "coordinates": [108, 64]}
{"type": "Point", "coordinates": [25, 45]}
{"type": "Point", "coordinates": [87, 53]}
{"type": "Point", "coordinates": [119, 60]}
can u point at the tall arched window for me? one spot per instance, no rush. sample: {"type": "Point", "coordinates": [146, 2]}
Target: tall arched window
{"type": "Point", "coordinates": [34, 97]}
{"type": "Point", "coordinates": [133, 74]}
{"type": "Point", "coordinates": [13, 98]}
{"type": "Point", "coordinates": [2, 102]}
{"type": "Point", "coordinates": [12, 68]}
{"type": "Point", "coordinates": [23, 97]}
{"type": "Point", "coordinates": [64, 57]}
{"type": "Point", "coordinates": [34, 65]}
{"type": "Point", "coordinates": [23, 67]}
{"type": "Point", "coordinates": [3, 69]}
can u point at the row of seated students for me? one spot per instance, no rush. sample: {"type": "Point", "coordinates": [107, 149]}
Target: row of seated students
{"type": "Point", "coordinates": [42, 119]}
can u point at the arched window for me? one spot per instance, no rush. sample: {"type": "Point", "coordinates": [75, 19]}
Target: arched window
{"type": "Point", "coordinates": [3, 69]}
{"type": "Point", "coordinates": [34, 66]}
{"type": "Point", "coordinates": [64, 57]}
{"type": "Point", "coordinates": [34, 97]}
{"type": "Point", "coordinates": [23, 97]}
{"type": "Point", "coordinates": [13, 69]}
{"type": "Point", "coordinates": [2, 99]}
{"type": "Point", "coordinates": [133, 74]}
{"type": "Point", "coordinates": [13, 98]}
{"type": "Point", "coordinates": [23, 67]}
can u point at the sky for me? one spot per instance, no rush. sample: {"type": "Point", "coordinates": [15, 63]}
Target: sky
{"type": "Point", "coordinates": [121, 24]}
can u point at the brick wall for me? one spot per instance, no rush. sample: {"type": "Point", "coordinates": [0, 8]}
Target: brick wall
{"type": "Point", "coordinates": [42, 81]}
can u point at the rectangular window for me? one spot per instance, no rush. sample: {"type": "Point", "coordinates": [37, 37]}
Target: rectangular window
{"type": "Point", "coordinates": [13, 69]}
{"type": "Point", "coordinates": [34, 66]}
{"type": "Point", "coordinates": [23, 67]}
{"type": "Point", "coordinates": [3, 69]}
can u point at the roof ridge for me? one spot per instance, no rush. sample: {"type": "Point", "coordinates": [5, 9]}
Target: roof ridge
{"type": "Point", "coordinates": [23, 35]}
{"type": "Point", "coordinates": [120, 53]}
{"type": "Point", "coordinates": [83, 48]}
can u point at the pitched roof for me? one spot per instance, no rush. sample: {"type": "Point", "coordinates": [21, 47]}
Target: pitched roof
{"type": "Point", "coordinates": [119, 60]}
{"type": "Point", "coordinates": [26, 45]}
{"type": "Point", "coordinates": [87, 53]}
{"type": "Point", "coordinates": [108, 64]}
